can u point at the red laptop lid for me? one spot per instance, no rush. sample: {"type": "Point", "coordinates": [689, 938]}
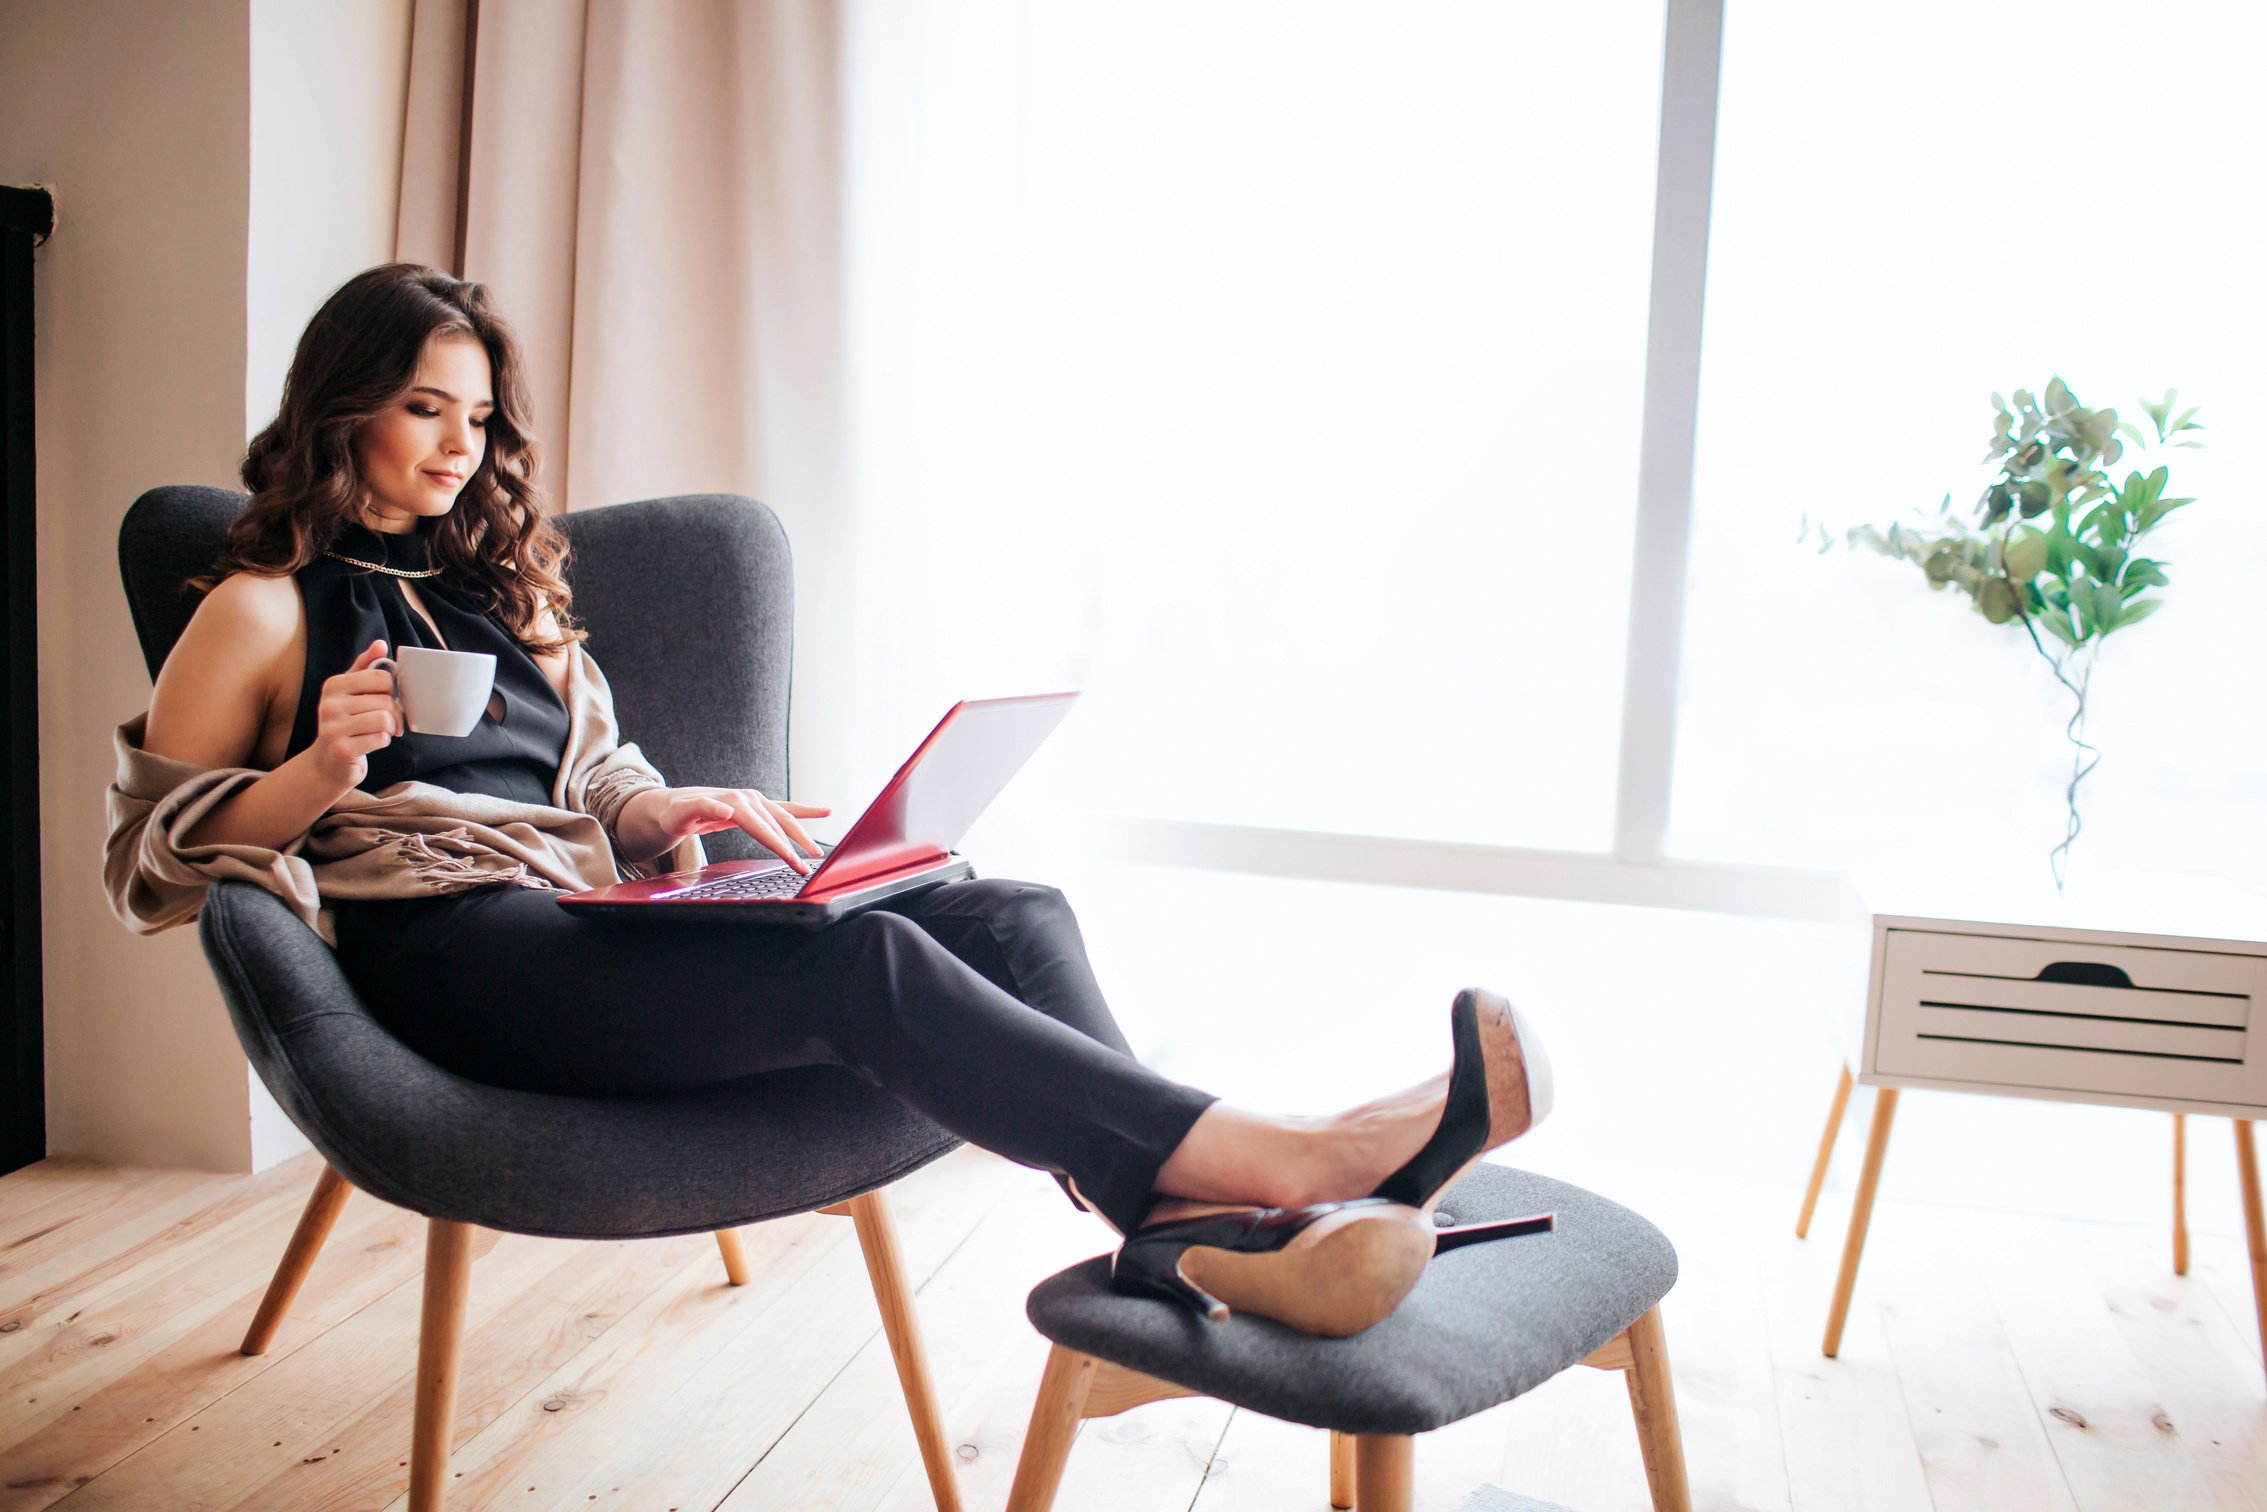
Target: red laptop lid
{"type": "Point", "coordinates": [942, 789]}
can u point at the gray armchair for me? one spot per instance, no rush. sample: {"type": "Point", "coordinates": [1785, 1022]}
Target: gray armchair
{"type": "Point", "coordinates": [688, 603]}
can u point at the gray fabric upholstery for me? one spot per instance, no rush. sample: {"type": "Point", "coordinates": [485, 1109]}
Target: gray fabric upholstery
{"type": "Point", "coordinates": [1485, 1324]}
{"type": "Point", "coordinates": [690, 604]}
{"type": "Point", "coordinates": [689, 611]}
{"type": "Point", "coordinates": [169, 536]}
{"type": "Point", "coordinates": [1497, 1499]}
{"type": "Point", "coordinates": [405, 1130]}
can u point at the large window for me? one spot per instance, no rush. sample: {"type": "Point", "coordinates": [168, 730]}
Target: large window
{"type": "Point", "coordinates": [1916, 205]}
{"type": "Point", "coordinates": [1272, 371]}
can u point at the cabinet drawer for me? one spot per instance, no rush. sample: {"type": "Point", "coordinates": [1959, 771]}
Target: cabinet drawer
{"type": "Point", "coordinates": [2057, 1016]}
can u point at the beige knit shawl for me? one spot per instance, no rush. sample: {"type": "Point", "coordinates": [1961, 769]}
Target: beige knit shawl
{"type": "Point", "coordinates": [410, 840]}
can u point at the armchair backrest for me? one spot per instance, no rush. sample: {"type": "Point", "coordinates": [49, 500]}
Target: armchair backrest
{"type": "Point", "coordinates": [689, 602]}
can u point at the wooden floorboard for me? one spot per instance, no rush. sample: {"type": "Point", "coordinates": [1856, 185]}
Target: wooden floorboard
{"type": "Point", "coordinates": [1990, 1362]}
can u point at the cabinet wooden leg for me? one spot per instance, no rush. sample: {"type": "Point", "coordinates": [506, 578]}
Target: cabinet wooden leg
{"type": "Point", "coordinates": [1385, 1472]}
{"type": "Point", "coordinates": [1341, 1470]}
{"type": "Point", "coordinates": [1825, 1153]}
{"type": "Point", "coordinates": [324, 1204]}
{"type": "Point", "coordinates": [1861, 1214]}
{"type": "Point", "coordinates": [440, 1337]}
{"type": "Point", "coordinates": [2180, 1194]}
{"type": "Point", "coordinates": [1653, 1402]}
{"type": "Point", "coordinates": [1054, 1423]}
{"type": "Point", "coordinates": [2254, 1223]}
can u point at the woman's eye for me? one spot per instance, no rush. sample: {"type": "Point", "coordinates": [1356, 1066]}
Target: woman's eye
{"type": "Point", "coordinates": [424, 411]}
{"type": "Point", "coordinates": [481, 421]}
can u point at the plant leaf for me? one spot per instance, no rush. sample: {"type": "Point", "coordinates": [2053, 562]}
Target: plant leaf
{"type": "Point", "coordinates": [2135, 613]}
{"type": "Point", "coordinates": [2026, 554]}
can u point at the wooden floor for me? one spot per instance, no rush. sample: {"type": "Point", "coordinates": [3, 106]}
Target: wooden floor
{"type": "Point", "coordinates": [1992, 1363]}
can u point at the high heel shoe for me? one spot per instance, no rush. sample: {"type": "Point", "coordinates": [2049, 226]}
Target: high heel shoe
{"type": "Point", "coordinates": [1498, 1089]}
{"type": "Point", "coordinates": [1456, 1236]}
{"type": "Point", "coordinates": [1332, 1269]}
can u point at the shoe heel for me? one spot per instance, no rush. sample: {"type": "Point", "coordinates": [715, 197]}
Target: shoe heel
{"type": "Point", "coordinates": [1148, 1272]}
{"type": "Point", "coordinates": [1464, 1234]}
{"type": "Point", "coordinates": [1349, 1266]}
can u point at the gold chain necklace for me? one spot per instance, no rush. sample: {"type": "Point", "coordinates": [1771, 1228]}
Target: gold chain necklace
{"type": "Point", "coordinates": [400, 572]}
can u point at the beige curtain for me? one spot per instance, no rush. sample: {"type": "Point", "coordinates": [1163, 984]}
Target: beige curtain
{"type": "Point", "coordinates": [653, 190]}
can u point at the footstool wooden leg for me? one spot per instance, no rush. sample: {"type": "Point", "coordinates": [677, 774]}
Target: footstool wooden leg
{"type": "Point", "coordinates": [2254, 1223]}
{"type": "Point", "coordinates": [1341, 1470]}
{"type": "Point", "coordinates": [2180, 1194]}
{"type": "Point", "coordinates": [1385, 1472]}
{"type": "Point", "coordinates": [440, 1335]}
{"type": "Point", "coordinates": [1054, 1423]}
{"type": "Point", "coordinates": [1861, 1213]}
{"type": "Point", "coordinates": [315, 1221]}
{"type": "Point", "coordinates": [1825, 1153]}
{"type": "Point", "coordinates": [1076, 1386]}
{"type": "Point", "coordinates": [1653, 1401]}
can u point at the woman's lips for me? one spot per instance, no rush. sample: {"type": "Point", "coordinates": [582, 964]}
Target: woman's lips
{"type": "Point", "coordinates": [445, 479]}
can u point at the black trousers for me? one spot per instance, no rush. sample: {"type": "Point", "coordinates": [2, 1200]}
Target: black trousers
{"type": "Point", "coordinates": [972, 1003]}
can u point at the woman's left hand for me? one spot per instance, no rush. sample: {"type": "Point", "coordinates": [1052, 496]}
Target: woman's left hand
{"type": "Point", "coordinates": [658, 818]}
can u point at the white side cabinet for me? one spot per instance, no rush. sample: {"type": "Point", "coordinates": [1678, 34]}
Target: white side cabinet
{"type": "Point", "coordinates": [2078, 1015]}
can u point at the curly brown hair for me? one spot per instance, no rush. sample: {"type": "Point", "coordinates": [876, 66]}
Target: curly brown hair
{"type": "Point", "coordinates": [357, 358]}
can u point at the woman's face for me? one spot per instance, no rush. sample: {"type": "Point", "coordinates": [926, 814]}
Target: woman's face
{"type": "Point", "coordinates": [417, 454]}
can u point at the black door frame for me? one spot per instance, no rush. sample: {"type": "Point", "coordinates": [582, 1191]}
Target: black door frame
{"type": "Point", "coordinates": [26, 218]}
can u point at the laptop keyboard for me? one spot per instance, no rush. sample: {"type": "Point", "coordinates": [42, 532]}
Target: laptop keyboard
{"type": "Point", "coordinates": [779, 882]}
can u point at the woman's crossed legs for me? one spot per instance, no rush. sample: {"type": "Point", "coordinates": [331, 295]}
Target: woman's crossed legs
{"type": "Point", "coordinates": [973, 1003]}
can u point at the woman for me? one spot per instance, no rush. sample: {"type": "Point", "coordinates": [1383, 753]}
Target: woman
{"type": "Point", "coordinates": [394, 502]}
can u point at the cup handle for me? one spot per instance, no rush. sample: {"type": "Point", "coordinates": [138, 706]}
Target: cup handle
{"type": "Point", "coordinates": [392, 669]}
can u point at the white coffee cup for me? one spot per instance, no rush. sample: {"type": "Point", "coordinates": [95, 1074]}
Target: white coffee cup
{"type": "Point", "coordinates": [440, 692]}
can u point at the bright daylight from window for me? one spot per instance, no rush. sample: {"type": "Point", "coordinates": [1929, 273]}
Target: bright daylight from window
{"type": "Point", "coordinates": [1278, 384]}
{"type": "Point", "coordinates": [1880, 265]}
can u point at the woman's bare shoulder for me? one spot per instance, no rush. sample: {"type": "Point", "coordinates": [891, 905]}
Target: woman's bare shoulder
{"type": "Point", "coordinates": [250, 607]}
{"type": "Point", "coordinates": [233, 675]}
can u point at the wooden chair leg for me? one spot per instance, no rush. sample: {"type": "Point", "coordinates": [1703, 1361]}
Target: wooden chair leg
{"type": "Point", "coordinates": [2180, 1194]}
{"type": "Point", "coordinates": [323, 1207]}
{"type": "Point", "coordinates": [1653, 1402]}
{"type": "Point", "coordinates": [1385, 1472]}
{"type": "Point", "coordinates": [1054, 1423]}
{"type": "Point", "coordinates": [885, 1267]}
{"type": "Point", "coordinates": [1861, 1213]}
{"type": "Point", "coordinates": [440, 1335]}
{"type": "Point", "coordinates": [1825, 1153]}
{"type": "Point", "coordinates": [735, 1256]}
{"type": "Point", "coordinates": [2254, 1223]}
{"type": "Point", "coordinates": [1341, 1470]}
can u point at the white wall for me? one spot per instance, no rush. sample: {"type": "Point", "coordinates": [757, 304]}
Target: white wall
{"type": "Point", "coordinates": [144, 122]}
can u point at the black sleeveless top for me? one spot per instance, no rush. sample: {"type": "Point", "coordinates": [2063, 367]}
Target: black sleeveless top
{"type": "Point", "coordinates": [515, 750]}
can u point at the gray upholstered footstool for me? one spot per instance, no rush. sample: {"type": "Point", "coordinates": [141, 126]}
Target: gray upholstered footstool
{"type": "Point", "coordinates": [1485, 1324]}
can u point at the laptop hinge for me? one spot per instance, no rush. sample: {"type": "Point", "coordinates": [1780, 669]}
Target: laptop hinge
{"type": "Point", "coordinates": [878, 869]}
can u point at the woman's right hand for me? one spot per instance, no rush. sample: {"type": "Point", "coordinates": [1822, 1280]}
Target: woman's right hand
{"type": "Point", "coordinates": [357, 714]}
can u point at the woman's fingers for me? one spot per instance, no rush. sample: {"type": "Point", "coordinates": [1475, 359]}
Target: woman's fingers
{"type": "Point", "coordinates": [361, 680]}
{"type": "Point", "coordinates": [370, 653]}
{"type": "Point", "coordinates": [369, 722]}
{"type": "Point", "coordinates": [805, 810]}
{"type": "Point", "coordinates": [758, 823]}
{"type": "Point", "coordinates": [784, 816]}
{"type": "Point", "coordinates": [342, 707]}
{"type": "Point", "coordinates": [350, 747]}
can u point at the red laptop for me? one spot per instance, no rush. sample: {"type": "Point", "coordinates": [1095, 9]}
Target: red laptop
{"type": "Point", "coordinates": [902, 843]}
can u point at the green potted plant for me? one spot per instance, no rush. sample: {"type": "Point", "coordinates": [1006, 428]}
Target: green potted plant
{"type": "Point", "coordinates": [2056, 546]}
